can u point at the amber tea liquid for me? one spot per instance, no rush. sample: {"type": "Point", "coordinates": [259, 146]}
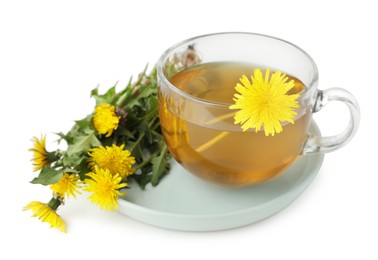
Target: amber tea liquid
{"type": "Point", "coordinates": [208, 144]}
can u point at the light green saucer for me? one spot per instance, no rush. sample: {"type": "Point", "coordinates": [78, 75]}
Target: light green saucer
{"type": "Point", "coordinates": [184, 202]}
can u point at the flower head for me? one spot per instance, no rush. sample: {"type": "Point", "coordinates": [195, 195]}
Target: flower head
{"type": "Point", "coordinates": [41, 157]}
{"type": "Point", "coordinates": [105, 119]}
{"type": "Point", "coordinates": [67, 185]}
{"type": "Point", "coordinates": [46, 214]}
{"type": "Point", "coordinates": [105, 188]}
{"type": "Point", "coordinates": [113, 158]}
{"type": "Point", "coordinates": [265, 102]}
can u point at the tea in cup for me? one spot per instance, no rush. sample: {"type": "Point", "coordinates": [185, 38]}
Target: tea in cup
{"type": "Point", "coordinates": [204, 82]}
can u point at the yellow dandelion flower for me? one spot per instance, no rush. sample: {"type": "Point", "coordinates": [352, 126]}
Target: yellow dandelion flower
{"type": "Point", "coordinates": [67, 185]}
{"type": "Point", "coordinates": [105, 188]}
{"type": "Point", "coordinates": [105, 119]}
{"type": "Point", "coordinates": [113, 158]}
{"type": "Point", "coordinates": [41, 157]}
{"type": "Point", "coordinates": [46, 214]}
{"type": "Point", "coordinates": [265, 102]}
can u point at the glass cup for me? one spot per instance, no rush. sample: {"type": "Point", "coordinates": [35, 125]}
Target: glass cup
{"type": "Point", "coordinates": [201, 134]}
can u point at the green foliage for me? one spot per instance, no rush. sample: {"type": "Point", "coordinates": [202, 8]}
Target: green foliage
{"type": "Point", "coordinates": [83, 143]}
{"type": "Point", "coordinates": [138, 129]}
{"type": "Point", "coordinates": [160, 165]}
{"type": "Point", "coordinates": [48, 176]}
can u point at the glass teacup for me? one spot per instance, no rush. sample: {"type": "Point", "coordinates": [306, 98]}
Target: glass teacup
{"type": "Point", "coordinates": [197, 79]}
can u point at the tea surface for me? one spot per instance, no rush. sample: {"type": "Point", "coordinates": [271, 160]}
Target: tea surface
{"type": "Point", "coordinates": [216, 81]}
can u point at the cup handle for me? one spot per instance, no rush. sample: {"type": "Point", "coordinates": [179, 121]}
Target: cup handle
{"type": "Point", "coordinates": [315, 144]}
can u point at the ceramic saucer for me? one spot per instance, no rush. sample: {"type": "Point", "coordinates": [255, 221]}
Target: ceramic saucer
{"type": "Point", "coordinates": [184, 202]}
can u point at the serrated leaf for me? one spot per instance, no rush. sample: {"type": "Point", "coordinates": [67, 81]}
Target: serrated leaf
{"type": "Point", "coordinates": [62, 137]}
{"type": "Point", "coordinates": [85, 122]}
{"type": "Point", "coordinates": [48, 176]}
{"type": "Point", "coordinates": [107, 97]}
{"type": "Point", "coordinates": [73, 160]}
{"type": "Point", "coordinates": [83, 143]}
{"type": "Point", "coordinates": [146, 92]}
{"type": "Point", "coordinates": [152, 103]}
{"type": "Point", "coordinates": [134, 102]}
{"type": "Point", "coordinates": [94, 92]}
{"type": "Point", "coordinates": [83, 169]}
{"type": "Point", "coordinates": [145, 130]}
{"type": "Point", "coordinates": [125, 132]}
{"type": "Point", "coordinates": [142, 180]}
{"type": "Point", "coordinates": [160, 166]}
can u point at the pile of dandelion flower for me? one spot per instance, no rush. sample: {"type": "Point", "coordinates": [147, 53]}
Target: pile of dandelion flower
{"type": "Point", "coordinates": [120, 140]}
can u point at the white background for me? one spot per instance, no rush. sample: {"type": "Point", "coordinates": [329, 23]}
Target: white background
{"type": "Point", "coordinates": [52, 53]}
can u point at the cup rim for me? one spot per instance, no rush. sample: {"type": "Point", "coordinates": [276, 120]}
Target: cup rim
{"type": "Point", "coordinates": [165, 55]}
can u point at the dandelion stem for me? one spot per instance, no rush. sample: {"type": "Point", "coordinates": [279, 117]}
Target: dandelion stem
{"type": "Point", "coordinates": [220, 118]}
{"type": "Point", "coordinates": [218, 137]}
{"type": "Point", "coordinates": [137, 142]}
{"type": "Point", "coordinates": [212, 142]}
{"type": "Point", "coordinates": [54, 203]}
{"type": "Point", "coordinates": [145, 162]}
